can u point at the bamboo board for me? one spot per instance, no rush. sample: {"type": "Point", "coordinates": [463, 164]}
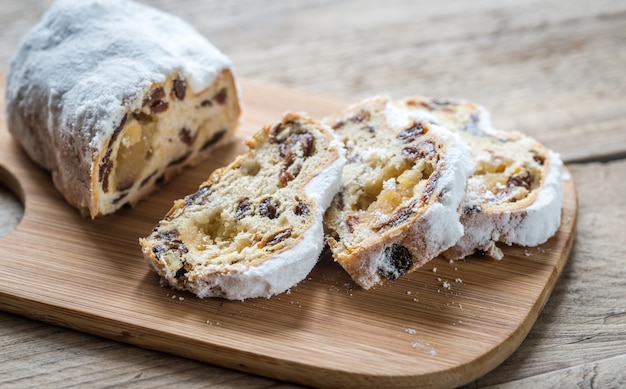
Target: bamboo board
{"type": "Point", "coordinates": [442, 326]}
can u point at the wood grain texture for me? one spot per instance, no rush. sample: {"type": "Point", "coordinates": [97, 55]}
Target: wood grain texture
{"type": "Point", "coordinates": [552, 68]}
{"type": "Point", "coordinates": [441, 326]}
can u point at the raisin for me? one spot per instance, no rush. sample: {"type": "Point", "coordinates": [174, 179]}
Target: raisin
{"type": "Point", "coordinates": [338, 125]}
{"type": "Point", "coordinates": [351, 221]}
{"type": "Point", "coordinates": [301, 209]}
{"type": "Point", "coordinates": [159, 106]}
{"type": "Point", "coordinates": [179, 88]}
{"type": "Point", "coordinates": [167, 235]}
{"type": "Point", "coordinates": [280, 132]}
{"type": "Point", "coordinates": [471, 126]}
{"type": "Point", "coordinates": [147, 179]}
{"type": "Point", "coordinates": [192, 198]}
{"type": "Point", "coordinates": [106, 165]}
{"type": "Point", "coordinates": [120, 197]}
{"type": "Point", "coordinates": [421, 103]}
{"type": "Point", "coordinates": [124, 185]}
{"type": "Point", "coordinates": [118, 129]}
{"type": "Point", "coordinates": [206, 103]}
{"type": "Point", "coordinates": [430, 187]}
{"type": "Point", "coordinates": [171, 242]}
{"type": "Point", "coordinates": [155, 101]}
{"type": "Point", "coordinates": [441, 102]}
{"type": "Point", "coordinates": [243, 208]}
{"type": "Point", "coordinates": [305, 142]}
{"type": "Point", "coordinates": [360, 117]}
{"type": "Point", "coordinates": [284, 177]}
{"type": "Point", "coordinates": [180, 273]}
{"type": "Point", "coordinates": [423, 150]}
{"type": "Point", "coordinates": [539, 159]}
{"type": "Point", "coordinates": [160, 180]}
{"type": "Point", "coordinates": [220, 97]}
{"type": "Point", "coordinates": [156, 95]}
{"type": "Point", "coordinates": [411, 133]}
{"type": "Point", "coordinates": [369, 129]}
{"type": "Point", "coordinates": [179, 160]}
{"type": "Point", "coordinates": [304, 139]}
{"type": "Point", "coordinates": [395, 261]}
{"type": "Point", "coordinates": [159, 251]}
{"type": "Point", "coordinates": [213, 140]}
{"type": "Point", "coordinates": [472, 209]}
{"type": "Point", "coordinates": [399, 217]}
{"type": "Point", "coordinates": [341, 205]}
{"type": "Point", "coordinates": [520, 180]}
{"type": "Point", "coordinates": [185, 136]}
{"type": "Point", "coordinates": [105, 170]}
{"type": "Point", "coordinates": [278, 237]}
{"type": "Point", "coordinates": [267, 208]}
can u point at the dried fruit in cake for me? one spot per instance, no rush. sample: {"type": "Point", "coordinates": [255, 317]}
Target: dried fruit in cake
{"type": "Point", "coordinates": [114, 98]}
{"type": "Point", "coordinates": [401, 187]}
{"type": "Point", "coordinates": [254, 228]}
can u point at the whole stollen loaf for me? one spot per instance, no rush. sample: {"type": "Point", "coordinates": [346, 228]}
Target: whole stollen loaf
{"type": "Point", "coordinates": [114, 98]}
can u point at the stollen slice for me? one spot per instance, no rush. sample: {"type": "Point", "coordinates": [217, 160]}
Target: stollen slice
{"type": "Point", "coordinates": [400, 191]}
{"type": "Point", "coordinates": [254, 228]}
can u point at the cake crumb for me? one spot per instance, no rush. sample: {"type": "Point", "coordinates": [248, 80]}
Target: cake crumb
{"type": "Point", "coordinates": [411, 331]}
{"type": "Point", "coordinates": [434, 269]}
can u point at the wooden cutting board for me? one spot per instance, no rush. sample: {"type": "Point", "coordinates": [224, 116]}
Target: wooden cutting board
{"type": "Point", "coordinates": [441, 326]}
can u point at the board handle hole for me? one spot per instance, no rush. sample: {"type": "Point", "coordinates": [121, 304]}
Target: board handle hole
{"type": "Point", "coordinates": [11, 202]}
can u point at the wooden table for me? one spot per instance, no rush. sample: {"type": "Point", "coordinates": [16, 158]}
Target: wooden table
{"type": "Point", "coordinates": [554, 69]}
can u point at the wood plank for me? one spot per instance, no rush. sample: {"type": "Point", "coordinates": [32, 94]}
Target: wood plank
{"type": "Point", "coordinates": [443, 325]}
{"type": "Point", "coordinates": [598, 374]}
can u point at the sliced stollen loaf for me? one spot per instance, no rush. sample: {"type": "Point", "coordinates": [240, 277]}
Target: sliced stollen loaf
{"type": "Point", "coordinates": [254, 228]}
{"type": "Point", "coordinates": [514, 195]}
{"type": "Point", "coordinates": [401, 187]}
{"type": "Point", "coordinates": [114, 98]}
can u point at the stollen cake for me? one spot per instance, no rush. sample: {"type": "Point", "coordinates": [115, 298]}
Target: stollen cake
{"type": "Point", "coordinates": [401, 188]}
{"type": "Point", "coordinates": [254, 228]}
{"type": "Point", "coordinates": [514, 195]}
{"type": "Point", "coordinates": [114, 98]}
